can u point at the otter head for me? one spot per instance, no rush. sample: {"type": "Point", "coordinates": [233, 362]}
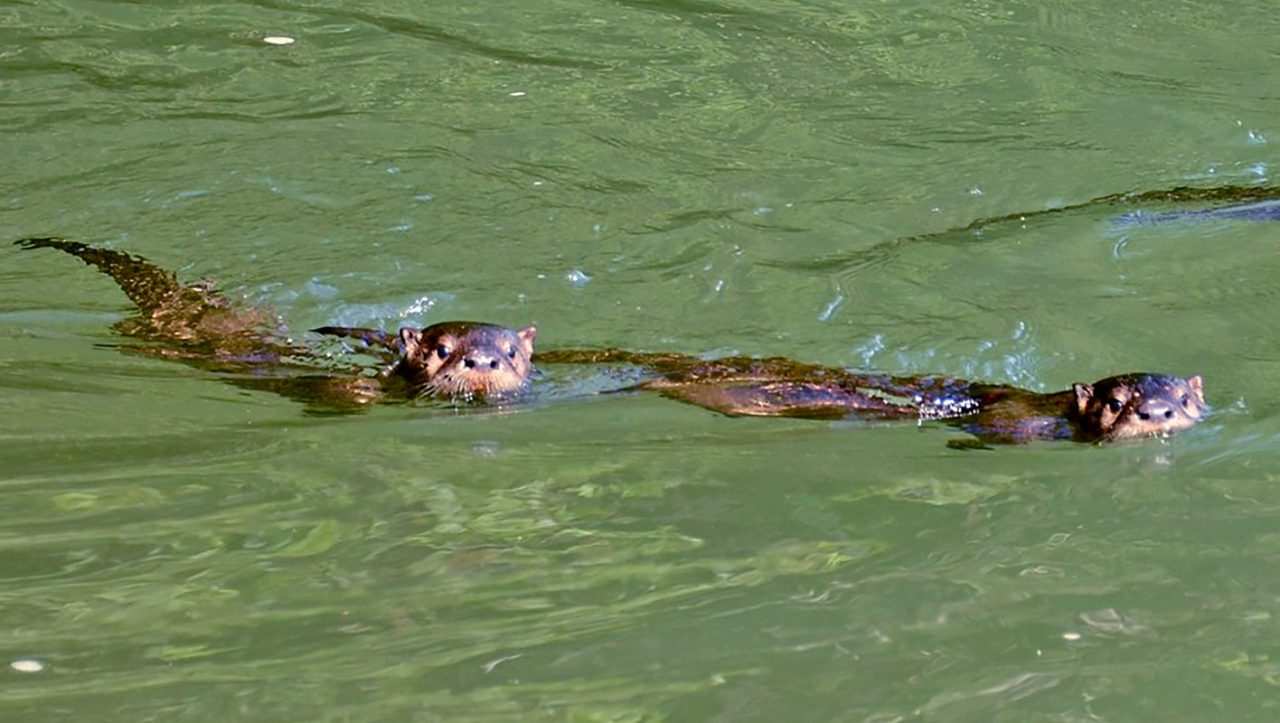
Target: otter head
{"type": "Point", "coordinates": [466, 361]}
{"type": "Point", "coordinates": [1139, 405]}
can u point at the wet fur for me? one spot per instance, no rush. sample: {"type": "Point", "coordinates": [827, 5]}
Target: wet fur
{"type": "Point", "coordinates": [459, 360]}
{"type": "Point", "coordinates": [198, 326]}
{"type": "Point", "coordinates": [1120, 407]}
{"type": "Point", "coordinates": [466, 361]}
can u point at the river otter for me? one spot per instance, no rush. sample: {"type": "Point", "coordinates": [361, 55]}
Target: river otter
{"type": "Point", "coordinates": [467, 361]}
{"type": "Point", "coordinates": [1126, 406]}
{"type": "Point", "coordinates": [1120, 407]}
{"type": "Point", "coordinates": [195, 321]}
{"type": "Point", "coordinates": [458, 361]}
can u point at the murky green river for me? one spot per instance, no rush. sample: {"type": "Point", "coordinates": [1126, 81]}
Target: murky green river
{"type": "Point", "coordinates": [766, 178]}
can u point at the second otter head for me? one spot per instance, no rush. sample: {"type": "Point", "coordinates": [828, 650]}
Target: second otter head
{"type": "Point", "coordinates": [465, 361]}
{"type": "Point", "coordinates": [1139, 405]}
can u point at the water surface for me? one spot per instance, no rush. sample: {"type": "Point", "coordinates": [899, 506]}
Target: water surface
{"type": "Point", "coordinates": [759, 178]}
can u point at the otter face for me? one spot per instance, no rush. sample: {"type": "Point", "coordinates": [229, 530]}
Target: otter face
{"type": "Point", "coordinates": [465, 361]}
{"type": "Point", "coordinates": [1139, 405]}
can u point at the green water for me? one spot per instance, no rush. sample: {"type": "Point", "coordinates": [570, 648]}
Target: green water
{"type": "Point", "coordinates": [687, 176]}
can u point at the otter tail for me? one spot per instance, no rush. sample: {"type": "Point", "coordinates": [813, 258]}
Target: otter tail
{"type": "Point", "coordinates": [371, 337]}
{"type": "Point", "coordinates": [146, 285]}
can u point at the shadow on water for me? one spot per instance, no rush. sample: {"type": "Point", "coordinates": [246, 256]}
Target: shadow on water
{"type": "Point", "coordinates": [1251, 203]}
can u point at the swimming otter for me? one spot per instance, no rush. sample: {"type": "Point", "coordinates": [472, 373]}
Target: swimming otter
{"type": "Point", "coordinates": [195, 321]}
{"type": "Point", "coordinates": [467, 361]}
{"type": "Point", "coordinates": [1126, 406]}
{"type": "Point", "coordinates": [458, 361]}
{"type": "Point", "coordinates": [461, 360]}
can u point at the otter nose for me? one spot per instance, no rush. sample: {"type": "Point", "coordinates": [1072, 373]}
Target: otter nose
{"type": "Point", "coordinates": [1155, 409]}
{"type": "Point", "coordinates": [480, 362]}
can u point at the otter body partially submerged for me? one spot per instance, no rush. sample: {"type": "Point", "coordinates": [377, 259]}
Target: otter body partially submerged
{"type": "Point", "coordinates": [460, 360]}
{"type": "Point", "coordinates": [457, 361]}
{"type": "Point", "coordinates": [1126, 406]}
{"type": "Point", "coordinates": [194, 321]}
{"type": "Point", "coordinates": [472, 361]}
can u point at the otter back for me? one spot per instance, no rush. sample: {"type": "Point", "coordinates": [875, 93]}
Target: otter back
{"type": "Point", "coordinates": [461, 361]}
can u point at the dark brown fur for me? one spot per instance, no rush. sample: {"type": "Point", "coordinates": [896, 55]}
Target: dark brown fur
{"type": "Point", "coordinates": [195, 321]}
{"type": "Point", "coordinates": [1120, 407]}
{"type": "Point", "coordinates": [460, 361]}
{"type": "Point", "coordinates": [467, 361]}
{"type": "Point", "coordinates": [1126, 406]}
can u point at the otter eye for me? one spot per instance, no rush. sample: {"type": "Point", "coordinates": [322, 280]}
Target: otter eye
{"type": "Point", "coordinates": [442, 351]}
{"type": "Point", "coordinates": [1114, 405]}
{"type": "Point", "coordinates": [511, 353]}
{"type": "Point", "coordinates": [1186, 401]}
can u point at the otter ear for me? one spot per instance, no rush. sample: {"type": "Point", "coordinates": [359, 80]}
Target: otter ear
{"type": "Point", "coordinates": [1084, 393]}
{"type": "Point", "coordinates": [1197, 386]}
{"type": "Point", "coordinates": [411, 339]}
{"type": "Point", "coordinates": [526, 336]}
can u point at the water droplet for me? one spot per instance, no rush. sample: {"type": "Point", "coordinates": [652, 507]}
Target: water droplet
{"type": "Point", "coordinates": [419, 306]}
{"type": "Point", "coordinates": [577, 278]}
